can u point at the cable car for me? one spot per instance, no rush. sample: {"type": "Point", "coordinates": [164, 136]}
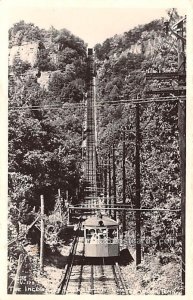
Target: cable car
{"type": "Point", "coordinates": [101, 236]}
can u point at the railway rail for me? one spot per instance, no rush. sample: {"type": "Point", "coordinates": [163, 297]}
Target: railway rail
{"type": "Point", "coordinates": [90, 275]}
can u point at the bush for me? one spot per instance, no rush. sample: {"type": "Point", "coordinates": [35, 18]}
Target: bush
{"type": "Point", "coordinates": [20, 67]}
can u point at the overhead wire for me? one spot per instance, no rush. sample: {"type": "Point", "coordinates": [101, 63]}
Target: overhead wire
{"type": "Point", "coordinates": [118, 102]}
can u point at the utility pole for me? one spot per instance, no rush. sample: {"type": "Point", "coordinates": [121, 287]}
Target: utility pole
{"type": "Point", "coordinates": [67, 195]}
{"type": "Point", "coordinates": [100, 175]}
{"type": "Point", "coordinates": [61, 203]}
{"type": "Point", "coordinates": [109, 181]}
{"type": "Point", "coordinates": [138, 200]}
{"type": "Point", "coordinates": [182, 140]}
{"type": "Point", "coordinates": [42, 236]}
{"type": "Point", "coordinates": [17, 276]}
{"type": "Point", "coordinates": [114, 181]}
{"type": "Point", "coordinates": [105, 181]}
{"type": "Point", "coordinates": [124, 179]}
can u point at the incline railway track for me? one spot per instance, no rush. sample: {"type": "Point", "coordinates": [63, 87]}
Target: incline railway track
{"type": "Point", "coordinates": [91, 140]}
{"type": "Point", "coordinates": [90, 275]}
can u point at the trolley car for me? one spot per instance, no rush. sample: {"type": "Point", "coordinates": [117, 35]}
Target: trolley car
{"type": "Point", "coordinates": [101, 235]}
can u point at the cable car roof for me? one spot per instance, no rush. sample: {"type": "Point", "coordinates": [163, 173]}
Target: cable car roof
{"type": "Point", "coordinates": [94, 222]}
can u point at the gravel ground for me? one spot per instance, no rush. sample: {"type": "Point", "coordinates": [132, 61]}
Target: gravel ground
{"type": "Point", "coordinates": [53, 268]}
{"type": "Point", "coordinates": [150, 278]}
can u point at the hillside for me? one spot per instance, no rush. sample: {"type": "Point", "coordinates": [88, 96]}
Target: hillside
{"type": "Point", "coordinates": [47, 87]}
{"type": "Point", "coordinates": [122, 62]}
{"type": "Point", "coordinates": [45, 144]}
{"type": "Point", "coordinates": [121, 76]}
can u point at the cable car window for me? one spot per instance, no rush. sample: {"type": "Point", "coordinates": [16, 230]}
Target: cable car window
{"type": "Point", "coordinates": [89, 234]}
{"type": "Point", "coordinates": [102, 235]}
{"type": "Point", "coordinates": [94, 239]}
{"type": "Point", "coordinates": [112, 236]}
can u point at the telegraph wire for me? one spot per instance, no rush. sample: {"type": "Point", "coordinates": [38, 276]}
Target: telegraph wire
{"type": "Point", "coordinates": [100, 104]}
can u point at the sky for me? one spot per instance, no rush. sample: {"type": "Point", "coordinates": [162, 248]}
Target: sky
{"type": "Point", "coordinates": [92, 24]}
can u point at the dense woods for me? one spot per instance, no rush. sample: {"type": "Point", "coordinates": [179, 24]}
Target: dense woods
{"type": "Point", "coordinates": [46, 123]}
{"type": "Point", "coordinates": [45, 143]}
{"type": "Point", "coordinates": [121, 70]}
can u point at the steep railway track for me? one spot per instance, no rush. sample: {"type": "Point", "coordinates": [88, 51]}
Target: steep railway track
{"type": "Point", "coordinates": [91, 140]}
{"type": "Point", "coordinates": [90, 276]}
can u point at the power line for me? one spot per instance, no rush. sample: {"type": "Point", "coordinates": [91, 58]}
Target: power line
{"type": "Point", "coordinates": [117, 102]}
{"type": "Point", "coordinates": [143, 101]}
{"type": "Point", "coordinates": [45, 107]}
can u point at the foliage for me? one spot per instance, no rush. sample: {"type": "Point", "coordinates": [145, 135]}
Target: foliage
{"type": "Point", "coordinates": [65, 57]}
{"type": "Point", "coordinates": [24, 32]}
{"type": "Point", "coordinates": [121, 76]}
{"type": "Point", "coordinates": [66, 40]}
{"type": "Point", "coordinates": [19, 67]}
{"type": "Point", "coordinates": [120, 43]}
{"type": "Point", "coordinates": [44, 62]}
{"type": "Point", "coordinates": [154, 278]}
{"type": "Point", "coordinates": [45, 144]}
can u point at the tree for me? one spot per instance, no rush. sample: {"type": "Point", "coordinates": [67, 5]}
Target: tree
{"type": "Point", "coordinates": [56, 82]}
{"type": "Point", "coordinates": [24, 32]}
{"type": "Point", "coordinates": [43, 62]}
{"type": "Point", "coordinates": [19, 66]}
{"type": "Point", "coordinates": [121, 76]}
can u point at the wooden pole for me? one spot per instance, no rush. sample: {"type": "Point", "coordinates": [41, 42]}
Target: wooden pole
{"type": "Point", "coordinates": [68, 214]}
{"type": "Point", "coordinates": [137, 203]}
{"type": "Point", "coordinates": [114, 181]}
{"type": "Point", "coordinates": [16, 283]}
{"type": "Point", "coordinates": [60, 203]}
{"type": "Point", "coordinates": [105, 181]}
{"type": "Point", "coordinates": [124, 180]}
{"type": "Point", "coordinates": [67, 195]}
{"type": "Point", "coordinates": [101, 176]}
{"type": "Point", "coordinates": [42, 236]}
{"type": "Point", "coordinates": [109, 181]}
{"type": "Point", "coordinates": [182, 145]}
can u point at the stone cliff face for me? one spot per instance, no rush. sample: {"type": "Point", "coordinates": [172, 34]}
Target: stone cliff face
{"type": "Point", "coordinates": [147, 44]}
{"type": "Point", "coordinates": [136, 48]}
{"type": "Point", "coordinates": [150, 46]}
{"type": "Point", "coordinates": [147, 47]}
{"type": "Point", "coordinates": [26, 52]}
{"type": "Point", "coordinates": [43, 80]}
